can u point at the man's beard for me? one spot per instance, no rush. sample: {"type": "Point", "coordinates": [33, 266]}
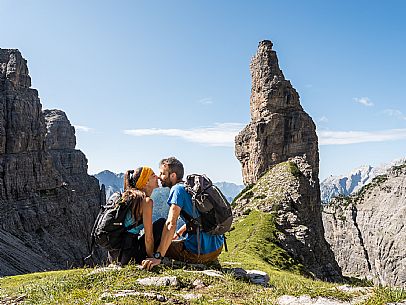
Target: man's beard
{"type": "Point", "coordinates": [166, 183]}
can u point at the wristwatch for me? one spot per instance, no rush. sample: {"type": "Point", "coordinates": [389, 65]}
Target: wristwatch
{"type": "Point", "coordinates": [157, 255]}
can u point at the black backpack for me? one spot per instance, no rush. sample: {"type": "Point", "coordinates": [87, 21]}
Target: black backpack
{"type": "Point", "coordinates": [109, 226]}
{"type": "Point", "coordinates": [215, 211]}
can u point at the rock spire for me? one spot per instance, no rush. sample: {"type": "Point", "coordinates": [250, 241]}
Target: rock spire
{"type": "Point", "coordinates": [279, 128]}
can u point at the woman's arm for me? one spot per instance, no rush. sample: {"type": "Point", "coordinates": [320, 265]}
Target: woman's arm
{"type": "Point", "coordinates": [147, 221]}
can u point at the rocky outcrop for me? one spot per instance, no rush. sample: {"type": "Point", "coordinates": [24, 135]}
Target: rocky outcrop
{"type": "Point", "coordinates": [48, 202]}
{"type": "Point", "coordinates": [60, 133]}
{"type": "Point", "coordinates": [367, 230]}
{"type": "Point", "coordinates": [289, 192]}
{"type": "Point", "coordinates": [279, 128]}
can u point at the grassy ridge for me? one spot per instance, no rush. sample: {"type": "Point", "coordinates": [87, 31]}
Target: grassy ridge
{"type": "Point", "coordinates": [251, 246]}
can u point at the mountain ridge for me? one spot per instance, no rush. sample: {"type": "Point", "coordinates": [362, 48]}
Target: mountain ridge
{"type": "Point", "coordinates": [352, 182]}
{"type": "Point", "coordinates": [113, 182]}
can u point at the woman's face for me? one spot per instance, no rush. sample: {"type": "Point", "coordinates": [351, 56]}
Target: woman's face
{"type": "Point", "coordinates": [153, 181]}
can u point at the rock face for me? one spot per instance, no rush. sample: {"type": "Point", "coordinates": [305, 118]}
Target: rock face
{"type": "Point", "coordinates": [289, 191]}
{"type": "Point", "coordinates": [279, 131]}
{"type": "Point", "coordinates": [367, 230]}
{"type": "Point", "coordinates": [279, 128]}
{"type": "Point", "coordinates": [48, 202]}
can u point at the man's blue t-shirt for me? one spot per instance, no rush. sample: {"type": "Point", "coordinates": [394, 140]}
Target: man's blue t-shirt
{"type": "Point", "coordinates": [208, 242]}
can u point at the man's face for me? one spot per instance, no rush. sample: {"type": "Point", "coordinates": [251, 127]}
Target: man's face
{"type": "Point", "coordinates": [165, 176]}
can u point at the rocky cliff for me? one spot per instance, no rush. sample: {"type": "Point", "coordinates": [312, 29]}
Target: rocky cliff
{"type": "Point", "coordinates": [288, 192]}
{"type": "Point", "coordinates": [279, 128]}
{"type": "Point", "coordinates": [48, 202]}
{"type": "Point", "coordinates": [279, 131]}
{"type": "Point", "coordinates": [366, 230]}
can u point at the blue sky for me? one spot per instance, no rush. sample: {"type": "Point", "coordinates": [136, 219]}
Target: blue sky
{"type": "Point", "coordinates": [142, 80]}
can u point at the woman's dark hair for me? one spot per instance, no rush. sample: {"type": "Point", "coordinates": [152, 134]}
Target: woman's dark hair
{"type": "Point", "coordinates": [131, 177]}
{"type": "Point", "coordinates": [134, 197]}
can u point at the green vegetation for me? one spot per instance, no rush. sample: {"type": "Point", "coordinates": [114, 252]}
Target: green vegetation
{"type": "Point", "coordinates": [254, 243]}
{"type": "Point", "coordinates": [293, 169]}
{"type": "Point", "coordinates": [244, 192]}
{"type": "Point", "coordinates": [384, 295]}
{"type": "Point", "coordinates": [398, 168]}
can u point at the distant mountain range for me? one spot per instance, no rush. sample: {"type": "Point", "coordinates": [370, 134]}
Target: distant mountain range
{"type": "Point", "coordinates": [114, 183]}
{"type": "Point", "coordinates": [353, 181]}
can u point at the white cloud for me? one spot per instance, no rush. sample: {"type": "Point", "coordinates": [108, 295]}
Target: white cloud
{"type": "Point", "coordinates": [364, 101]}
{"type": "Point", "coordinates": [352, 137]}
{"type": "Point", "coordinates": [206, 101]}
{"type": "Point", "coordinates": [323, 119]}
{"type": "Point", "coordinates": [83, 128]}
{"type": "Point", "coordinates": [395, 113]}
{"type": "Point", "coordinates": [221, 134]}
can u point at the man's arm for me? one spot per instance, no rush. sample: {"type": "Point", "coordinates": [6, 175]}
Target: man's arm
{"type": "Point", "coordinates": [166, 239]}
{"type": "Point", "coordinates": [179, 233]}
{"type": "Point", "coordinates": [169, 229]}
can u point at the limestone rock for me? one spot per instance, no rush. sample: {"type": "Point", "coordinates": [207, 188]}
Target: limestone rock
{"type": "Point", "coordinates": [307, 300]}
{"type": "Point", "coordinates": [48, 202]}
{"type": "Point", "coordinates": [290, 192]}
{"type": "Point", "coordinates": [279, 131]}
{"type": "Point", "coordinates": [159, 281]}
{"type": "Point", "coordinates": [60, 133]}
{"type": "Point", "coordinates": [366, 230]}
{"type": "Point", "coordinates": [279, 128]}
{"type": "Point", "coordinates": [254, 276]}
{"type": "Point", "coordinates": [128, 293]}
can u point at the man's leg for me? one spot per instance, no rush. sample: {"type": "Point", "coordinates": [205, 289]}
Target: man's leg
{"type": "Point", "coordinates": [178, 252]}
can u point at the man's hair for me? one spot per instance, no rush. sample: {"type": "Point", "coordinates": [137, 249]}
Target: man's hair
{"type": "Point", "coordinates": [174, 166]}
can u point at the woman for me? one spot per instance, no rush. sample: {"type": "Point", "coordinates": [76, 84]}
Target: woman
{"type": "Point", "coordinates": [138, 187]}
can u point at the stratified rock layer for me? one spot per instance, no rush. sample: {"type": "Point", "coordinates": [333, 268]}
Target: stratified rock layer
{"type": "Point", "coordinates": [367, 231]}
{"type": "Point", "coordinates": [48, 203]}
{"type": "Point", "coordinates": [289, 191]}
{"type": "Point", "coordinates": [279, 128]}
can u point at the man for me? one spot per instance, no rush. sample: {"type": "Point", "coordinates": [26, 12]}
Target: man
{"type": "Point", "coordinates": [187, 250]}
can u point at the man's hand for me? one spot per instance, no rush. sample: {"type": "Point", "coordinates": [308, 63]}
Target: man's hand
{"type": "Point", "coordinates": [149, 263]}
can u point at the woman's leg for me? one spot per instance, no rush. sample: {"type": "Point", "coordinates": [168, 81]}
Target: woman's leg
{"type": "Point", "coordinates": [157, 228]}
{"type": "Point", "coordinates": [130, 250]}
{"type": "Point", "coordinates": [134, 248]}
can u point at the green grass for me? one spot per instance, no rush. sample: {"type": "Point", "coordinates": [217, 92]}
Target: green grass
{"type": "Point", "coordinates": [383, 295]}
{"type": "Point", "coordinates": [253, 243]}
{"type": "Point", "coordinates": [255, 237]}
{"type": "Point", "coordinates": [251, 246]}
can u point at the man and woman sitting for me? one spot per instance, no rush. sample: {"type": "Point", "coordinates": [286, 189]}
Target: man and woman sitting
{"type": "Point", "coordinates": [161, 238]}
